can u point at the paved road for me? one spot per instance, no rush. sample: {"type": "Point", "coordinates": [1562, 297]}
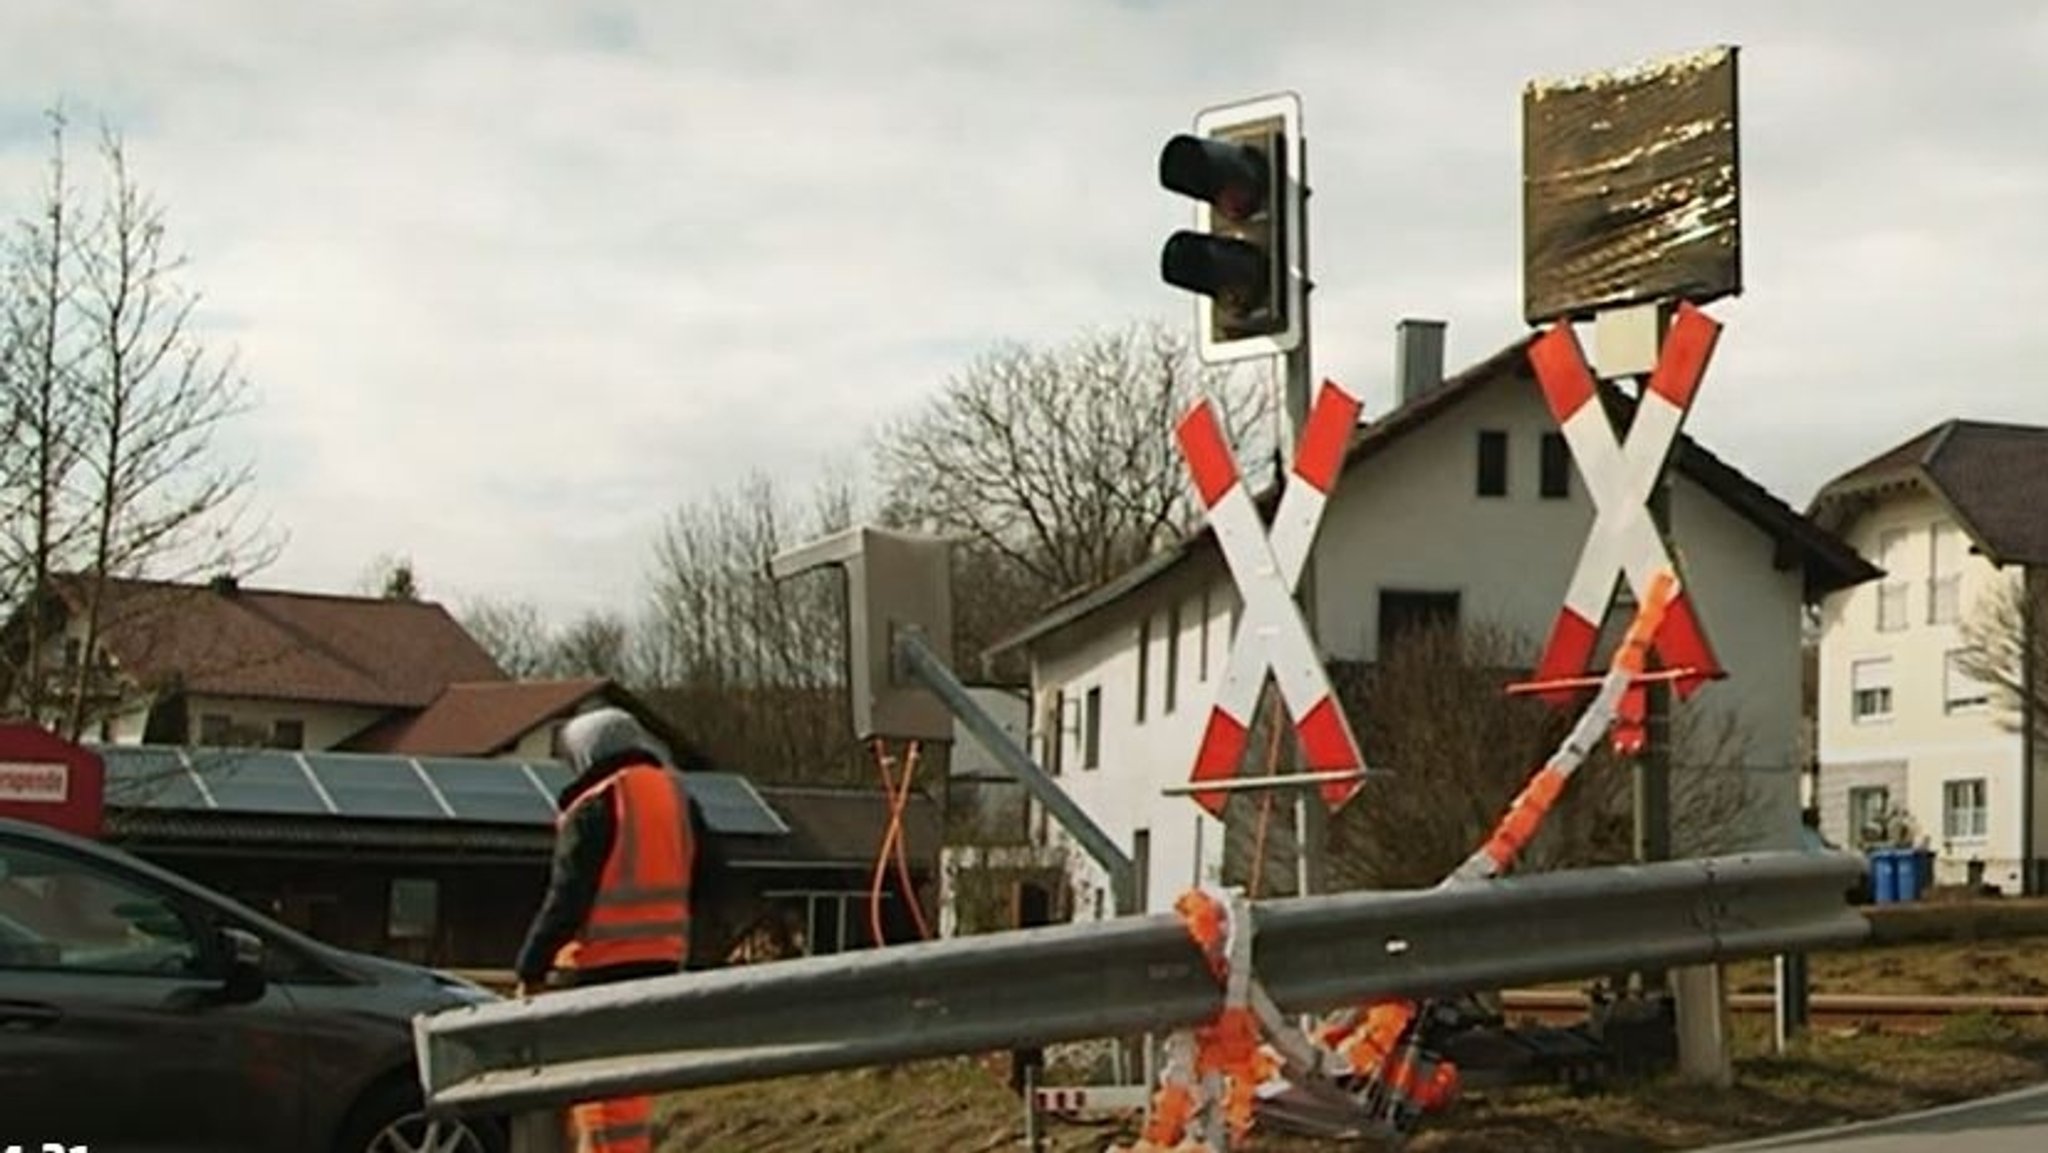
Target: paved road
{"type": "Point", "coordinates": [2014, 1123]}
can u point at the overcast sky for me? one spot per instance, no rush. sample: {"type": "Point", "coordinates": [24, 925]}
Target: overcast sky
{"type": "Point", "coordinates": [514, 280]}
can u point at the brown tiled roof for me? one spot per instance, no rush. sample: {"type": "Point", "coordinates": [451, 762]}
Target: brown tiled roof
{"type": "Point", "coordinates": [1994, 477]}
{"type": "Point", "coordinates": [478, 719]}
{"type": "Point", "coordinates": [1827, 562]}
{"type": "Point", "coordinates": [246, 642]}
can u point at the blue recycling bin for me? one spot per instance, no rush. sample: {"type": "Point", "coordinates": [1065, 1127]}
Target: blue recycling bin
{"type": "Point", "coordinates": [1884, 876]}
{"type": "Point", "coordinates": [1923, 873]}
{"type": "Point", "coordinates": [1906, 863]}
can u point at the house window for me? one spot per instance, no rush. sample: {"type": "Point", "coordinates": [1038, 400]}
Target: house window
{"type": "Point", "coordinates": [1944, 575]}
{"type": "Point", "coordinates": [1055, 739]}
{"type": "Point", "coordinates": [1964, 815]}
{"type": "Point", "coordinates": [1404, 612]}
{"type": "Point", "coordinates": [1493, 463]}
{"type": "Point", "coordinates": [1960, 690]}
{"type": "Point", "coordinates": [1891, 595]}
{"type": "Point", "coordinates": [1144, 665]}
{"type": "Point", "coordinates": [71, 649]}
{"type": "Point", "coordinates": [214, 729]}
{"type": "Point", "coordinates": [1091, 729]}
{"type": "Point", "coordinates": [1555, 482]}
{"type": "Point", "coordinates": [1870, 688]}
{"type": "Point", "coordinates": [1172, 655]}
{"type": "Point", "coordinates": [1868, 805]}
{"type": "Point", "coordinates": [414, 909]}
{"type": "Point", "coordinates": [287, 733]}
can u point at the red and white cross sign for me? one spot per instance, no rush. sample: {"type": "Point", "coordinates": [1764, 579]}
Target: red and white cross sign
{"type": "Point", "coordinates": [1620, 478]}
{"type": "Point", "coordinates": [1272, 633]}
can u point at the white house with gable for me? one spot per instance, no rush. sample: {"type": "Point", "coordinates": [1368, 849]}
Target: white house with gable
{"type": "Point", "coordinates": [1910, 743]}
{"type": "Point", "coordinates": [1462, 501]}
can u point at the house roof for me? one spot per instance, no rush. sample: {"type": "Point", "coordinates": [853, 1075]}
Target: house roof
{"type": "Point", "coordinates": [224, 640]}
{"type": "Point", "coordinates": [1993, 477]}
{"type": "Point", "coordinates": [840, 827]}
{"type": "Point", "coordinates": [479, 718]}
{"type": "Point", "coordinates": [1828, 563]}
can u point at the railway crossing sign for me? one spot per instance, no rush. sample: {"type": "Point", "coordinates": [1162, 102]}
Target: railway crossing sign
{"type": "Point", "coordinates": [1273, 634]}
{"type": "Point", "coordinates": [1620, 477]}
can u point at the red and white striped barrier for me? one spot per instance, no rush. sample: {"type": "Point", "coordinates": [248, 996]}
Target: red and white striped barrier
{"type": "Point", "coordinates": [1620, 479]}
{"type": "Point", "coordinates": [1272, 633]}
{"type": "Point", "coordinates": [1091, 1098]}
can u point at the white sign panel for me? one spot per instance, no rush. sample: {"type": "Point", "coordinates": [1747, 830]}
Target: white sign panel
{"type": "Point", "coordinates": [41, 782]}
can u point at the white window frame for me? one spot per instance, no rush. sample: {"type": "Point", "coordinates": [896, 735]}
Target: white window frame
{"type": "Point", "coordinates": [1894, 607]}
{"type": "Point", "coordinates": [1961, 692]}
{"type": "Point", "coordinates": [1857, 828]}
{"type": "Point", "coordinates": [1881, 670]}
{"type": "Point", "coordinates": [1944, 588]}
{"type": "Point", "coordinates": [1970, 821]}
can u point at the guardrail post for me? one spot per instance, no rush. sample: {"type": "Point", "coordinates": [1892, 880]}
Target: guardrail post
{"type": "Point", "coordinates": [539, 1131]}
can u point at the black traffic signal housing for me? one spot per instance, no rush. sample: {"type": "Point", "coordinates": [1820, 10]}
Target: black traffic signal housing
{"type": "Point", "coordinates": [1238, 254]}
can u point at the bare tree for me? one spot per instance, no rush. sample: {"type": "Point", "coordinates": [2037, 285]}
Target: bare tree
{"type": "Point", "coordinates": [1436, 712]}
{"type": "Point", "coordinates": [751, 665]}
{"type": "Point", "coordinates": [1061, 460]}
{"type": "Point", "coordinates": [596, 644]}
{"type": "Point", "coordinates": [155, 493]}
{"type": "Point", "coordinates": [514, 632]}
{"type": "Point", "coordinates": [111, 470]}
{"type": "Point", "coordinates": [38, 364]}
{"type": "Point", "coordinates": [2004, 624]}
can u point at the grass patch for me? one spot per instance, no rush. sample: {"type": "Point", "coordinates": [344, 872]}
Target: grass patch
{"type": "Point", "coordinates": [1829, 1078]}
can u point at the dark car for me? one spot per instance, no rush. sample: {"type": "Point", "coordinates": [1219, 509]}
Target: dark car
{"type": "Point", "coordinates": [142, 1013]}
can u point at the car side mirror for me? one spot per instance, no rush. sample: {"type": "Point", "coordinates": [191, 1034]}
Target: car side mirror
{"type": "Point", "coordinates": [244, 952]}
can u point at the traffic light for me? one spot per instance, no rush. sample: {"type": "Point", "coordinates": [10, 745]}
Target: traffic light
{"type": "Point", "coordinates": [1242, 259]}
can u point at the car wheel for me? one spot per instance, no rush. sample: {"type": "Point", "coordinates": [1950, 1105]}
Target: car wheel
{"type": "Point", "coordinates": [393, 1121]}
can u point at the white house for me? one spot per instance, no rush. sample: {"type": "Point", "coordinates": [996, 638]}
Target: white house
{"type": "Point", "coordinates": [1461, 501]}
{"type": "Point", "coordinates": [1955, 518]}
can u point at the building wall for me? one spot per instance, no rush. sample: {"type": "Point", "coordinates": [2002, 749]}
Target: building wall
{"type": "Point", "coordinates": [1410, 519]}
{"type": "Point", "coordinates": [324, 725]}
{"type": "Point", "coordinates": [480, 911]}
{"type": "Point", "coordinates": [1927, 727]}
{"type": "Point", "coordinates": [1186, 620]}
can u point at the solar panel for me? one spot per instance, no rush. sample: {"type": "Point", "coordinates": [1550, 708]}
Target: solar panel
{"type": "Point", "coordinates": [149, 778]}
{"type": "Point", "coordinates": [554, 775]}
{"type": "Point", "coordinates": [730, 805]}
{"type": "Point", "coordinates": [492, 791]}
{"type": "Point", "coordinates": [383, 787]}
{"type": "Point", "coordinates": [256, 781]}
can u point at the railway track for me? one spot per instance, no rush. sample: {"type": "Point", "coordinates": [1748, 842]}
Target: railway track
{"type": "Point", "coordinates": [1826, 1010]}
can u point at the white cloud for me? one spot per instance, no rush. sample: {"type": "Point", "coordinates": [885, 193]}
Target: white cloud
{"type": "Point", "coordinates": [511, 287]}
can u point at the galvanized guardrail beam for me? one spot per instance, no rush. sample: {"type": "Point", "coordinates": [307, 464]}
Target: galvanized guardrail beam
{"type": "Point", "coordinates": [1074, 982]}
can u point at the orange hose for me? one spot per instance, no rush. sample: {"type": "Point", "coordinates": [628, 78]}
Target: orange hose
{"type": "Point", "coordinates": [882, 854]}
{"type": "Point", "coordinates": [893, 844]}
{"type": "Point", "coordinates": [896, 810]}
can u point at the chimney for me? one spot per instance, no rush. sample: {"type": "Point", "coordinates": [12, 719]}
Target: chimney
{"type": "Point", "coordinates": [224, 584]}
{"type": "Point", "coordinates": [1418, 357]}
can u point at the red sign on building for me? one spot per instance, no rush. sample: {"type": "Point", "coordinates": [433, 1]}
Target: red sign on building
{"type": "Point", "coordinates": [47, 779]}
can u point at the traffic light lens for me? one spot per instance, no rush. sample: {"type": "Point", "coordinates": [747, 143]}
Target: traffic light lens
{"type": "Point", "coordinates": [1229, 270]}
{"type": "Point", "coordinates": [1232, 178]}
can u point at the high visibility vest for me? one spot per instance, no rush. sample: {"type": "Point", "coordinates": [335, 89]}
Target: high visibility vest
{"type": "Point", "coordinates": [642, 909]}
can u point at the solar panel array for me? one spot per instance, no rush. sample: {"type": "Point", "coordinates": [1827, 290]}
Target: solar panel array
{"type": "Point", "coordinates": [381, 787]}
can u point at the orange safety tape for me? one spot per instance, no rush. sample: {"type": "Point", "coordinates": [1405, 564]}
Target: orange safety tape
{"type": "Point", "coordinates": [1366, 1041]}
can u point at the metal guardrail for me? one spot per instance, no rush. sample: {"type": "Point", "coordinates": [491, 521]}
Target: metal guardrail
{"type": "Point", "coordinates": [1074, 982]}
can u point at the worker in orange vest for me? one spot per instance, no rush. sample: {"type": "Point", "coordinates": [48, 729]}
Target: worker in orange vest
{"type": "Point", "coordinates": [618, 904]}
